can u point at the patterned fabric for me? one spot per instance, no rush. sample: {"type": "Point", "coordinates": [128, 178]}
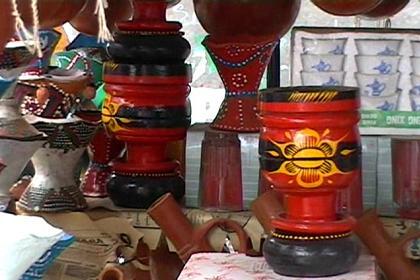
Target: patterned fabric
{"type": "Point", "coordinates": [216, 266]}
{"type": "Point", "coordinates": [37, 270]}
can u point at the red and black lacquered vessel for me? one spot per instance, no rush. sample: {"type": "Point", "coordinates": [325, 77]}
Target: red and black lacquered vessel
{"type": "Point", "coordinates": [242, 37]}
{"type": "Point", "coordinates": [309, 150]}
{"type": "Point", "coordinates": [147, 85]}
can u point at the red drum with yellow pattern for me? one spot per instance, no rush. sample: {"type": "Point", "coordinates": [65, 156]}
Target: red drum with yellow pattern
{"type": "Point", "coordinates": [147, 107]}
{"type": "Point", "coordinates": [309, 150]}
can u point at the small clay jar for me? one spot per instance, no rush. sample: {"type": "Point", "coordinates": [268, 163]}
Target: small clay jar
{"type": "Point", "coordinates": [115, 272]}
{"type": "Point", "coordinates": [136, 266]}
{"type": "Point", "coordinates": [347, 7]}
{"type": "Point", "coordinates": [87, 22]}
{"type": "Point", "coordinates": [51, 13]}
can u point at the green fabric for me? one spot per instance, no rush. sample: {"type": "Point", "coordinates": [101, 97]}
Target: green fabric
{"type": "Point", "coordinates": [100, 96]}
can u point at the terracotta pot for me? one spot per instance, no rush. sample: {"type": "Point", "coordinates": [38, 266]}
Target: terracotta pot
{"type": "Point", "coordinates": [347, 7]}
{"type": "Point", "coordinates": [309, 157]}
{"type": "Point", "coordinates": [389, 252]}
{"type": "Point", "coordinates": [266, 208]}
{"type": "Point", "coordinates": [116, 272]}
{"type": "Point", "coordinates": [87, 22]}
{"type": "Point", "coordinates": [246, 19]}
{"type": "Point", "coordinates": [52, 13]}
{"type": "Point", "coordinates": [123, 272]}
{"type": "Point", "coordinates": [7, 23]}
{"type": "Point", "coordinates": [186, 239]}
{"type": "Point", "coordinates": [386, 9]}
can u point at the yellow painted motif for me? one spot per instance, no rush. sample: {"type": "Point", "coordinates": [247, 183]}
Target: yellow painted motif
{"type": "Point", "coordinates": [318, 97]}
{"type": "Point", "coordinates": [109, 110]}
{"type": "Point", "coordinates": [309, 157]}
{"type": "Point", "coordinates": [112, 65]}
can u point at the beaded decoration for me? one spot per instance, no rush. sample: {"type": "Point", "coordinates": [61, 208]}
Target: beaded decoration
{"type": "Point", "coordinates": [50, 200]}
{"type": "Point", "coordinates": [310, 237]}
{"type": "Point", "coordinates": [67, 136]}
{"type": "Point", "coordinates": [241, 67]}
{"type": "Point", "coordinates": [58, 105]}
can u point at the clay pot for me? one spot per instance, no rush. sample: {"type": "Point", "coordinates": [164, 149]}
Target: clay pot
{"type": "Point", "coordinates": [6, 23]}
{"type": "Point", "coordinates": [389, 252]}
{"type": "Point", "coordinates": [266, 208]}
{"type": "Point", "coordinates": [246, 19]}
{"type": "Point", "coordinates": [386, 9]}
{"type": "Point", "coordinates": [347, 7]}
{"type": "Point", "coordinates": [186, 239]}
{"type": "Point", "coordinates": [87, 22]}
{"type": "Point", "coordinates": [52, 13]}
